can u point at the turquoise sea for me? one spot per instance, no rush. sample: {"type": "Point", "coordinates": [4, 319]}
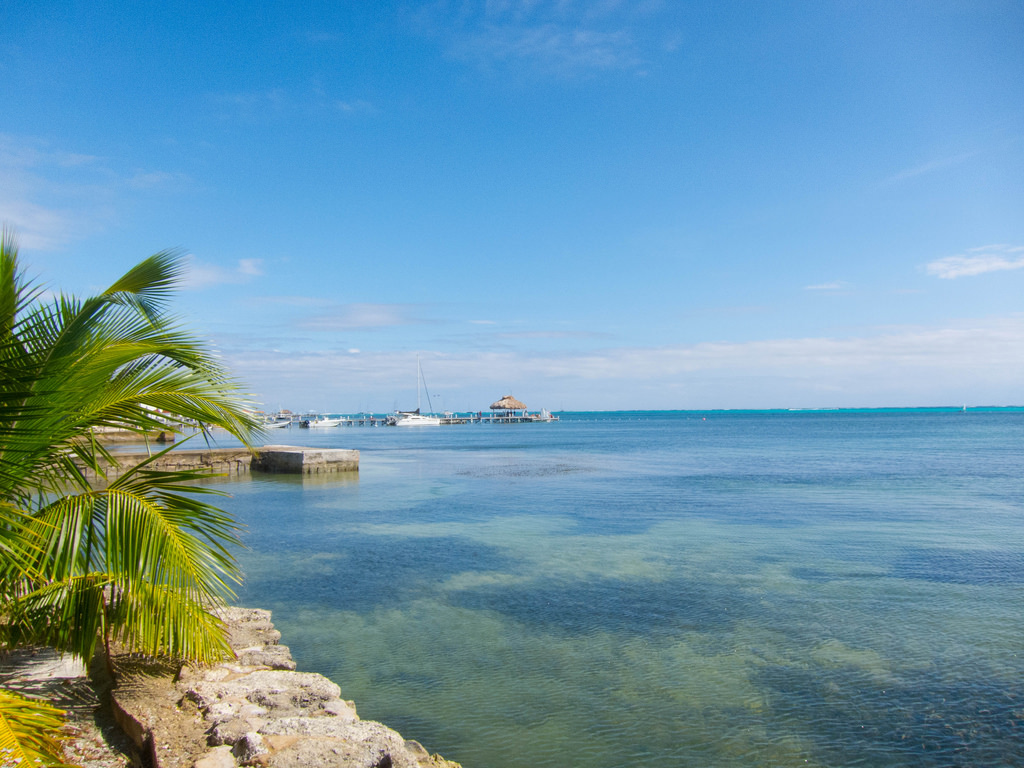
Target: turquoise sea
{"type": "Point", "coordinates": [841, 588]}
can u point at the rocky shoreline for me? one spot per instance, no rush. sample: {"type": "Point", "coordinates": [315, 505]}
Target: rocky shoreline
{"type": "Point", "coordinates": [255, 710]}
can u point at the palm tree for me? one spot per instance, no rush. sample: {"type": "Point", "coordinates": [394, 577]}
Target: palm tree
{"type": "Point", "coordinates": [140, 560]}
{"type": "Point", "coordinates": [29, 731]}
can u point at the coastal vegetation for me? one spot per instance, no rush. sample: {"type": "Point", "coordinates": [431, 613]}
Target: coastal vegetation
{"type": "Point", "coordinates": [138, 561]}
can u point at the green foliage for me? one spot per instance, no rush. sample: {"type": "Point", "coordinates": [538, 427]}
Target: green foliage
{"type": "Point", "coordinates": [139, 560]}
{"type": "Point", "coordinates": [29, 732]}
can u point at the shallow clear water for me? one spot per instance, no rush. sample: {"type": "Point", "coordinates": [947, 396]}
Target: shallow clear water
{"type": "Point", "coordinates": [840, 588]}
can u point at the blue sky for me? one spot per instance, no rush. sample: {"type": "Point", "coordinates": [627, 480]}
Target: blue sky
{"type": "Point", "coordinates": [589, 205]}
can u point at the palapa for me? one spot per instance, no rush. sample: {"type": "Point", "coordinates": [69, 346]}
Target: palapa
{"type": "Point", "coordinates": [508, 403]}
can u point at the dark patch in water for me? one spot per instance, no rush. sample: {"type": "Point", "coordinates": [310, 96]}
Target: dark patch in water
{"type": "Point", "coordinates": [372, 571]}
{"type": "Point", "coordinates": [820, 576]}
{"type": "Point", "coordinates": [961, 566]}
{"type": "Point", "coordinates": [612, 605]}
{"type": "Point", "coordinates": [523, 469]}
{"type": "Point", "coordinates": [921, 720]}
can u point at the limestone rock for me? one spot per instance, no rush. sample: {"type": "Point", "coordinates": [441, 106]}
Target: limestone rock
{"type": "Point", "coordinates": [362, 744]}
{"type": "Point", "coordinates": [220, 757]}
{"type": "Point", "coordinates": [248, 747]}
{"type": "Point", "coordinates": [255, 711]}
{"type": "Point", "coordinates": [270, 656]}
{"type": "Point", "coordinates": [230, 732]}
{"type": "Point", "coordinates": [271, 689]}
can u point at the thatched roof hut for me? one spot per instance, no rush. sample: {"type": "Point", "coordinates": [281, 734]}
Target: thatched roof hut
{"type": "Point", "coordinates": [508, 403]}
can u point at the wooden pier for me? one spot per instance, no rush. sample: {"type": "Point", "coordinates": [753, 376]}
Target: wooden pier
{"type": "Point", "coordinates": [376, 420]}
{"type": "Point", "coordinates": [498, 418]}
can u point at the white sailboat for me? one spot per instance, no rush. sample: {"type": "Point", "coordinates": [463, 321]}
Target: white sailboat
{"type": "Point", "coordinates": [415, 418]}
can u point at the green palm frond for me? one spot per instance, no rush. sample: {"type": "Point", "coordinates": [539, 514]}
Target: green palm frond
{"type": "Point", "coordinates": [154, 619]}
{"type": "Point", "coordinates": [159, 621]}
{"type": "Point", "coordinates": [141, 559]}
{"type": "Point", "coordinates": [30, 732]}
{"type": "Point", "coordinates": [68, 616]}
{"type": "Point", "coordinates": [68, 367]}
{"type": "Point", "coordinates": [147, 543]}
{"type": "Point", "coordinates": [149, 284]}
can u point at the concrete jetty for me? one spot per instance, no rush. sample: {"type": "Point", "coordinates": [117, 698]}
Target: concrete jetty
{"type": "Point", "coordinates": [305, 461]}
{"type": "Point", "coordinates": [285, 459]}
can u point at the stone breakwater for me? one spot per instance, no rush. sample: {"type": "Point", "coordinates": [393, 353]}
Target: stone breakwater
{"type": "Point", "coordinates": [255, 710]}
{"type": "Point", "coordinates": [285, 459]}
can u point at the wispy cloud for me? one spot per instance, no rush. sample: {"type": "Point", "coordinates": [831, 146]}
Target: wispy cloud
{"type": "Point", "coordinates": [978, 261]}
{"type": "Point", "coordinates": [929, 167]}
{"type": "Point", "coordinates": [537, 335]}
{"type": "Point", "coordinates": [362, 317]}
{"type": "Point", "coordinates": [37, 227]}
{"type": "Point", "coordinates": [828, 287]}
{"type": "Point", "coordinates": [557, 36]}
{"type": "Point", "coordinates": [564, 48]}
{"type": "Point", "coordinates": [202, 275]}
{"type": "Point", "coordinates": [292, 301]}
{"type": "Point", "coordinates": [17, 152]}
{"type": "Point", "coordinates": [981, 361]}
{"type": "Point", "coordinates": [52, 196]}
{"type": "Point", "coordinates": [355, 106]}
{"type": "Point", "coordinates": [154, 179]}
{"type": "Point", "coordinates": [278, 104]}
{"type": "Point", "coordinates": [250, 267]}
{"type": "Point", "coordinates": [273, 98]}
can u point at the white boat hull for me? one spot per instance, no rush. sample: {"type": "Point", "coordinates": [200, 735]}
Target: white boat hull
{"type": "Point", "coordinates": [417, 420]}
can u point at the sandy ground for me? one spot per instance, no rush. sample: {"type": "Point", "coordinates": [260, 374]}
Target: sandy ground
{"type": "Point", "coordinates": [93, 739]}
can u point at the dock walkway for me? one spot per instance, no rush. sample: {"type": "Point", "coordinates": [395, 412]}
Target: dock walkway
{"type": "Point", "coordinates": [376, 420]}
{"type": "Point", "coordinates": [285, 459]}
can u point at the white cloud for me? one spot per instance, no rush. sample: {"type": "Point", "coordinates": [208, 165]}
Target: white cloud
{"type": "Point", "coordinates": [273, 98]}
{"type": "Point", "coordinates": [552, 35]}
{"type": "Point", "coordinates": [354, 106]}
{"type": "Point", "coordinates": [292, 301]}
{"type": "Point", "coordinates": [17, 152]}
{"type": "Point", "coordinates": [566, 49]}
{"type": "Point", "coordinates": [37, 227]}
{"type": "Point", "coordinates": [52, 197]}
{"type": "Point", "coordinates": [929, 167]}
{"type": "Point", "coordinates": [978, 261]}
{"type": "Point", "coordinates": [152, 179]}
{"type": "Point", "coordinates": [360, 316]}
{"type": "Point", "coordinates": [979, 362]}
{"type": "Point", "coordinates": [834, 286]}
{"type": "Point", "coordinates": [251, 267]}
{"type": "Point", "coordinates": [200, 275]}
{"type": "Point", "coordinates": [276, 104]}
{"type": "Point", "coordinates": [553, 335]}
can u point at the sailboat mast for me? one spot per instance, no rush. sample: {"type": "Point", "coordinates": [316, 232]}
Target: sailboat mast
{"type": "Point", "coordinates": [421, 378]}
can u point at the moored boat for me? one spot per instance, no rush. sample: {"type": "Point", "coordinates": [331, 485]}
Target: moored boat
{"type": "Point", "coordinates": [320, 422]}
{"type": "Point", "coordinates": [415, 418]}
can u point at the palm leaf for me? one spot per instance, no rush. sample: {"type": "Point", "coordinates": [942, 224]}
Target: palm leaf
{"type": "Point", "coordinates": [141, 559]}
{"type": "Point", "coordinates": [110, 556]}
{"type": "Point", "coordinates": [30, 732]}
{"type": "Point", "coordinates": [68, 616]}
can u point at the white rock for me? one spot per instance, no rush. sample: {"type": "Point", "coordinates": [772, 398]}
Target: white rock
{"type": "Point", "coordinates": [219, 757]}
